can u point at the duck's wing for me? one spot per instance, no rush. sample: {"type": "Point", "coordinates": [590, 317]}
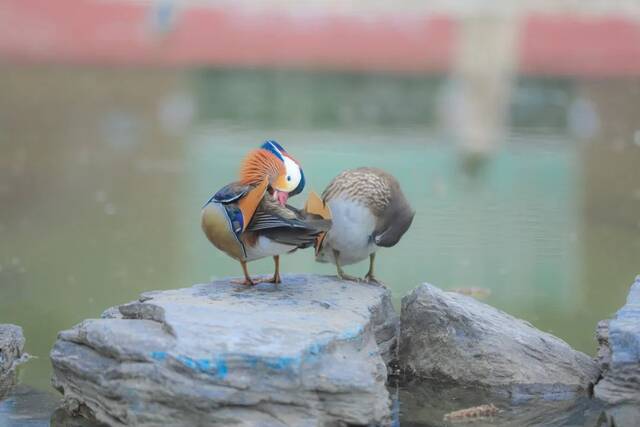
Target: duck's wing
{"type": "Point", "coordinates": [287, 225]}
{"type": "Point", "coordinates": [297, 238]}
{"type": "Point", "coordinates": [231, 193]}
{"type": "Point", "coordinates": [240, 201]}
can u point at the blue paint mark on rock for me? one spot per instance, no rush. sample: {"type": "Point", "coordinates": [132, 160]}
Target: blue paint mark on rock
{"type": "Point", "coordinates": [206, 366]}
{"type": "Point", "coordinates": [187, 361]}
{"type": "Point", "coordinates": [159, 355]}
{"type": "Point", "coordinates": [282, 363]}
{"type": "Point", "coordinates": [221, 368]}
{"type": "Point", "coordinates": [203, 365]}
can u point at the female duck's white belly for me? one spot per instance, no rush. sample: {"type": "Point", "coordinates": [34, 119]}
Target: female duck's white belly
{"type": "Point", "coordinates": [350, 234]}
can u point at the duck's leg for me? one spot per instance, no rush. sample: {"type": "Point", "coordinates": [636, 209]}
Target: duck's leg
{"type": "Point", "coordinates": [247, 280]}
{"type": "Point", "coordinates": [369, 276]}
{"type": "Point", "coordinates": [276, 275]}
{"type": "Point", "coordinates": [341, 274]}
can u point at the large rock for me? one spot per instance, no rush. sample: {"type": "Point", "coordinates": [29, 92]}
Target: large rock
{"type": "Point", "coordinates": [455, 339]}
{"type": "Point", "coordinates": [619, 352]}
{"type": "Point", "coordinates": [11, 354]}
{"type": "Point", "coordinates": [310, 352]}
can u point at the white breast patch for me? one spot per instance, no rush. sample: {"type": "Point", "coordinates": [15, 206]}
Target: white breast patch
{"type": "Point", "coordinates": [351, 229]}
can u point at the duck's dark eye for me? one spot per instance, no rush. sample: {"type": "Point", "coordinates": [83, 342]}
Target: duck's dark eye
{"type": "Point", "coordinates": [289, 178]}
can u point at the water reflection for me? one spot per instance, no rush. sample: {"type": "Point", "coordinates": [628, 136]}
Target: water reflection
{"type": "Point", "coordinates": [423, 405]}
{"type": "Point", "coordinates": [26, 406]}
{"type": "Point", "coordinates": [103, 173]}
{"type": "Point", "coordinates": [7, 382]}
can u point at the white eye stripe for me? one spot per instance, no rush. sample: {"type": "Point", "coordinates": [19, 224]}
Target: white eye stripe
{"type": "Point", "coordinates": [293, 175]}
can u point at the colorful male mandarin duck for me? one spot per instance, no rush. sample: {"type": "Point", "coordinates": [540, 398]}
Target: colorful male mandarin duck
{"type": "Point", "coordinates": [368, 210]}
{"type": "Point", "coordinates": [249, 219]}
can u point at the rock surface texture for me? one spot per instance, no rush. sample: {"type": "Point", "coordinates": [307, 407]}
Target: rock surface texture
{"type": "Point", "coordinates": [455, 339]}
{"type": "Point", "coordinates": [619, 352]}
{"type": "Point", "coordinates": [312, 351]}
{"type": "Point", "coordinates": [11, 354]}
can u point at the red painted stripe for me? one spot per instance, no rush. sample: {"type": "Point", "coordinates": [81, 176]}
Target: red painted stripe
{"type": "Point", "coordinates": [590, 47]}
{"type": "Point", "coordinates": [120, 33]}
{"type": "Point", "coordinates": [90, 31]}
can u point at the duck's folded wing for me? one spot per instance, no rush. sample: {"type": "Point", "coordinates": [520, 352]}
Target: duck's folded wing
{"type": "Point", "coordinates": [240, 201]}
{"type": "Point", "coordinates": [266, 220]}
{"type": "Point", "coordinates": [231, 192]}
{"type": "Point", "coordinates": [297, 230]}
{"type": "Point", "coordinates": [299, 238]}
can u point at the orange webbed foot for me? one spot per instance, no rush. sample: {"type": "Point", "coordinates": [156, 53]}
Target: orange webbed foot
{"type": "Point", "coordinates": [275, 280]}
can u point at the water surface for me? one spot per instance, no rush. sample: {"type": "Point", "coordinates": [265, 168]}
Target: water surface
{"type": "Point", "coordinates": [103, 174]}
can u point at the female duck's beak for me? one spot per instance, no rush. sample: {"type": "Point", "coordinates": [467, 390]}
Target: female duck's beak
{"type": "Point", "coordinates": [281, 197]}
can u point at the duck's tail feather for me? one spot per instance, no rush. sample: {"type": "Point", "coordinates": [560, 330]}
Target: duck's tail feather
{"type": "Point", "coordinates": [299, 237]}
{"type": "Point", "coordinates": [316, 207]}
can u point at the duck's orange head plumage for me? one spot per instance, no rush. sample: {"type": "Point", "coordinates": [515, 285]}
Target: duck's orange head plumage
{"type": "Point", "coordinates": [272, 161]}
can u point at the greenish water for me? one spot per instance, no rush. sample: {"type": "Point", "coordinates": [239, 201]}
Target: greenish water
{"type": "Point", "coordinates": [103, 174]}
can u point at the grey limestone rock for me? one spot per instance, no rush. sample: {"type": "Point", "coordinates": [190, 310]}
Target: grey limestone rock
{"type": "Point", "coordinates": [456, 339]}
{"type": "Point", "coordinates": [310, 352]}
{"type": "Point", "coordinates": [11, 354]}
{"type": "Point", "coordinates": [619, 352]}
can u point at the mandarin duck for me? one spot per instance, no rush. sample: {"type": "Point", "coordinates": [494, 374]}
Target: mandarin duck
{"type": "Point", "coordinates": [249, 219]}
{"type": "Point", "coordinates": [368, 210]}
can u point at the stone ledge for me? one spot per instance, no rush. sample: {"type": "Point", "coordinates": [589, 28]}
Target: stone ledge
{"type": "Point", "coordinates": [312, 352]}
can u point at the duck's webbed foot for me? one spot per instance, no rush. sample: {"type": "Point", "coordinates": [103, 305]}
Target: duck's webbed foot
{"type": "Point", "coordinates": [247, 279]}
{"type": "Point", "coordinates": [276, 275]}
{"type": "Point", "coordinates": [344, 276]}
{"type": "Point", "coordinates": [245, 282]}
{"type": "Point", "coordinates": [370, 279]}
{"type": "Point", "coordinates": [275, 279]}
{"type": "Point", "coordinates": [341, 274]}
{"type": "Point", "coordinates": [369, 276]}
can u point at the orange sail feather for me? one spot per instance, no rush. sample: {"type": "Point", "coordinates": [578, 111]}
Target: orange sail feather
{"type": "Point", "coordinates": [258, 164]}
